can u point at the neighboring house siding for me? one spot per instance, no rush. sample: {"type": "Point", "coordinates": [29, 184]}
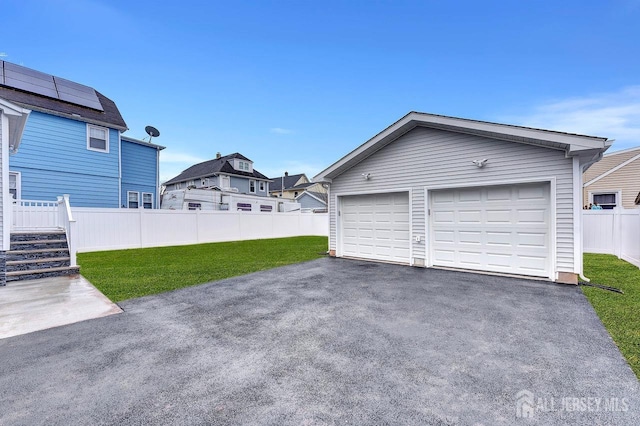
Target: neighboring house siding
{"type": "Point", "coordinates": [427, 157]}
{"type": "Point", "coordinates": [308, 202]}
{"type": "Point", "coordinates": [243, 186]}
{"type": "Point", "coordinates": [607, 163]}
{"type": "Point", "coordinates": [625, 179]}
{"type": "Point", "coordinates": [139, 170]}
{"type": "Point", "coordinates": [53, 159]}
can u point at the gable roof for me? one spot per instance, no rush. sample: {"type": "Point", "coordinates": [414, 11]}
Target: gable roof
{"type": "Point", "coordinates": [215, 166]}
{"type": "Point", "coordinates": [320, 196]}
{"type": "Point", "coordinates": [110, 116]}
{"type": "Point", "coordinates": [610, 163]}
{"type": "Point", "coordinates": [575, 145]}
{"type": "Point", "coordinates": [289, 182]}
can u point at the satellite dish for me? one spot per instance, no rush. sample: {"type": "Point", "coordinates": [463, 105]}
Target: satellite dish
{"type": "Point", "coordinates": [152, 132]}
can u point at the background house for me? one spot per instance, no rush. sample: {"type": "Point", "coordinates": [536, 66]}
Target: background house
{"type": "Point", "coordinates": [614, 181]}
{"type": "Point", "coordinates": [316, 201]}
{"type": "Point", "coordinates": [463, 194]}
{"type": "Point", "coordinates": [233, 172]}
{"type": "Point", "coordinates": [72, 144]}
{"type": "Point", "coordinates": [292, 186]}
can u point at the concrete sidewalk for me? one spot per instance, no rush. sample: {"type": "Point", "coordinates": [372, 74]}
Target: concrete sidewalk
{"type": "Point", "coordinates": [32, 305]}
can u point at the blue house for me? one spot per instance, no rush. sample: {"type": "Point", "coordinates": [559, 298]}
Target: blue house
{"type": "Point", "coordinates": [73, 144]}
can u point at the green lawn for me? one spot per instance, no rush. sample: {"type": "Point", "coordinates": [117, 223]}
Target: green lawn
{"type": "Point", "coordinates": [124, 274]}
{"type": "Point", "coordinates": [620, 313]}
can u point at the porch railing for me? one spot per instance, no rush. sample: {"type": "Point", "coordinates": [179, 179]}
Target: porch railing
{"type": "Point", "coordinates": [38, 215]}
{"type": "Point", "coordinates": [35, 215]}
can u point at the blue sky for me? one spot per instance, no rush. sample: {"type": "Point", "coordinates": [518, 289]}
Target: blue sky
{"type": "Point", "coordinates": [294, 85]}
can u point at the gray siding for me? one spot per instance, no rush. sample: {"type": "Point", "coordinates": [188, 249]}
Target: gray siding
{"type": "Point", "coordinates": [427, 157]}
{"type": "Point", "coordinates": [308, 202]}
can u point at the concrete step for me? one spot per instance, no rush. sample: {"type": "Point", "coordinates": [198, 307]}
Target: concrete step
{"type": "Point", "coordinates": [27, 236]}
{"type": "Point", "coordinates": [37, 260]}
{"type": "Point", "coordinates": [33, 274]}
{"type": "Point", "coordinates": [36, 253]}
{"type": "Point", "coordinates": [27, 242]}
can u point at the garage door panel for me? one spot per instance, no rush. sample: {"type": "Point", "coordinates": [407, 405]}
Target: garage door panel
{"type": "Point", "coordinates": [498, 216]}
{"type": "Point", "coordinates": [501, 229]}
{"type": "Point", "coordinates": [377, 226]}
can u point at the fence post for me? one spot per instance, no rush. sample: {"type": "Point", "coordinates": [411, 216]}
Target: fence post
{"type": "Point", "coordinates": [140, 224]}
{"type": "Point", "coordinates": [617, 232]}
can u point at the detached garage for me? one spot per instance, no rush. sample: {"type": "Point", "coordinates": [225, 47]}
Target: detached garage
{"type": "Point", "coordinates": [440, 191]}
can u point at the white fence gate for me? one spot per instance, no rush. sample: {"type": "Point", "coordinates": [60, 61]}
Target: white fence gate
{"type": "Point", "coordinates": [614, 231]}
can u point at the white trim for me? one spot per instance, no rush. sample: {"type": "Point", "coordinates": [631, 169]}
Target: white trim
{"type": "Point", "coordinates": [338, 203]}
{"type": "Point", "coordinates": [617, 192]}
{"type": "Point", "coordinates": [137, 196]}
{"type": "Point", "coordinates": [106, 130]}
{"type": "Point", "coordinates": [622, 151]}
{"type": "Point", "coordinates": [7, 204]}
{"type": "Point", "coordinates": [305, 192]}
{"type": "Point", "coordinates": [553, 267]}
{"type": "Point", "coordinates": [577, 217]}
{"type": "Point", "coordinates": [616, 168]}
{"type": "Point", "coordinates": [120, 169]}
{"type": "Point", "coordinates": [571, 143]}
{"type": "Point", "coordinates": [148, 193]}
{"type": "Point", "coordinates": [18, 183]}
{"type": "Point", "coordinates": [157, 178]}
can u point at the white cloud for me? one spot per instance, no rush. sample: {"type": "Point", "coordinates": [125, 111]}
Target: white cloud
{"type": "Point", "coordinates": [3, 55]}
{"type": "Point", "coordinates": [280, 131]}
{"type": "Point", "coordinates": [613, 115]}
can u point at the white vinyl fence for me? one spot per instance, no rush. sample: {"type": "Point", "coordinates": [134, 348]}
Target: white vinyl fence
{"type": "Point", "coordinates": [614, 231]}
{"type": "Point", "coordinates": [113, 229]}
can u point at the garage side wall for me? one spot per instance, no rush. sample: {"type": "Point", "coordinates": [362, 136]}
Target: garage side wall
{"type": "Point", "coordinates": [435, 158]}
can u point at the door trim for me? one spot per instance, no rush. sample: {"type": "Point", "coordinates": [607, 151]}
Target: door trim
{"type": "Point", "coordinates": [338, 203]}
{"type": "Point", "coordinates": [552, 213]}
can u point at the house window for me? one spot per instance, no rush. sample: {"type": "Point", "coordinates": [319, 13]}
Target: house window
{"type": "Point", "coordinates": [191, 183]}
{"type": "Point", "coordinates": [134, 199]}
{"type": "Point", "coordinates": [97, 138]}
{"type": "Point", "coordinates": [606, 201]}
{"type": "Point", "coordinates": [261, 186]}
{"type": "Point", "coordinates": [14, 185]}
{"type": "Point", "coordinates": [147, 200]}
{"type": "Point", "coordinates": [252, 186]}
{"type": "Point", "coordinates": [178, 185]}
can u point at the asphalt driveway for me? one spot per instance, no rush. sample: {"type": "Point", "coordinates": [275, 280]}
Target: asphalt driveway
{"type": "Point", "coordinates": [328, 342]}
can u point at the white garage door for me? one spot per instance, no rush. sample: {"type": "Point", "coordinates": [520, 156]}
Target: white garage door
{"type": "Point", "coordinates": [499, 229]}
{"type": "Point", "coordinates": [375, 226]}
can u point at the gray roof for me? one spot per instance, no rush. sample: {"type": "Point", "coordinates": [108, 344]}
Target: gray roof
{"type": "Point", "coordinates": [289, 182]}
{"type": "Point", "coordinates": [322, 196]}
{"type": "Point", "coordinates": [216, 166]}
{"type": "Point", "coordinates": [141, 142]}
{"type": "Point", "coordinates": [110, 116]}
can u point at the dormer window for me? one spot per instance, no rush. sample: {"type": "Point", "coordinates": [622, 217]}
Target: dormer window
{"type": "Point", "coordinates": [243, 165]}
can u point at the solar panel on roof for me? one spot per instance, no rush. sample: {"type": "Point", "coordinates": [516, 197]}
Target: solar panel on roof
{"type": "Point", "coordinates": [29, 80]}
{"type": "Point", "coordinates": [33, 81]}
{"type": "Point", "coordinates": [77, 93]}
